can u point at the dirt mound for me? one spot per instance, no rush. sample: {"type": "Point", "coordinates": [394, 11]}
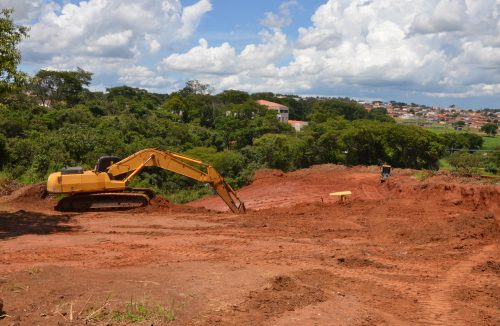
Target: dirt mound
{"type": "Point", "coordinates": [358, 262]}
{"type": "Point", "coordinates": [283, 293]}
{"type": "Point", "coordinates": [8, 186]}
{"type": "Point", "coordinates": [488, 266]}
{"type": "Point", "coordinates": [160, 204]}
{"type": "Point", "coordinates": [157, 204]}
{"type": "Point", "coordinates": [37, 191]}
{"type": "Point", "coordinates": [471, 196]}
{"type": "Point", "coordinates": [267, 173]}
{"type": "Point", "coordinates": [32, 192]}
{"type": "Point", "coordinates": [473, 226]}
{"type": "Point", "coordinates": [273, 188]}
{"type": "Point", "coordinates": [487, 295]}
{"type": "Point", "coordinates": [30, 197]}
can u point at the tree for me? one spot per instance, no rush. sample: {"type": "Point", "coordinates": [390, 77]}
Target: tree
{"type": "Point", "coordinates": [228, 163]}
{"type": "Point", "coordinates": [232, 96]}
{"type": "Point", "coordinates": [65, 86]}
{"type": "Point", "coordinates": [177, 105]}
{"type": "Point", "coordinates": [463, 140]}
{"type": "Point", "coordinates": [412, 147]}
{"type": "Point", "coordinates": [330, 108]}
{"type": "Point", "coordinates": [279, 151]}
{"type": "Point", "coordinates": [465, 163]}
{"type": "Point", "coordinates": [363, 143]}
{"type": "Point", "coordinates": [324, 143]}
{"type": "Point", "coordinates": [10, 56]}
{"type": "Point", "coordinates": [458, 124]}
{"type": "Point", "coordinates": [4, 157]}
{"type": "Point", "coordinates": [489, 129]}
{"type": "Point", "coordinates": [195, 87]}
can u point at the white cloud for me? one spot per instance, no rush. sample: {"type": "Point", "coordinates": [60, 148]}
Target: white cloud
{"type": "Point", "coordinates": [104, 35]}
{"type": "Point", "coordinates": [154, 46]}
{"type": "Point", "coordinates": [140, 76]}
{"type": "Point", "coordinates": [24, 10]}
{"type": "Point", "coordinates": [104, 25]}
{"type": "Point", "coordinates": [202, 59]}
{"type": "Point", "coordinates": [360, 46]}
{"type": "Point", "coordinates": [446, 16]}
{"type": "Point", "coordinates": [283, 19]}
{"type": "Point", "coordinates": [452, 46]}
{"type": "Point", "coordinates": [224, 59]}
{"type": "Point", "coordinates": [476, 90]}
{"type": "Point", "coordinates": [191, 17]}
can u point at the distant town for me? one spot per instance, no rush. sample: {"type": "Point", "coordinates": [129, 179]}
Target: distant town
{"type": "Point", "coordinates": [421, 115]}
{"type": "Point", "coordinates": [426, 116]}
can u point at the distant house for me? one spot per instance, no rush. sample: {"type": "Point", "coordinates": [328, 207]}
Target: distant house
{"type": "Point", "coordinates": [298, 125]}
{"type": "Point", "coordinates": [368, 107]}
{"type": "Point", "coordinates": [280, 109]}
{"type": "Point", "coordinates": [407, 116]}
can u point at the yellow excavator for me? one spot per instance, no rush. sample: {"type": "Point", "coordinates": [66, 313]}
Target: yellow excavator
{"type": "Point", "coordinates": [106, 187]}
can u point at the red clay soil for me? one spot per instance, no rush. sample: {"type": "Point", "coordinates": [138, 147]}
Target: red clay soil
{"type": "Point", "coordinates": [405, 252]}
{"type": "Point", "coordinates": [8, 186]}
{"type": "Point", "coordinates": [273, 188]}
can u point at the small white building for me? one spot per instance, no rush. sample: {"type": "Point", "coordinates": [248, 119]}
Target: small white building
{"type": "Point", "coordinates": [298, 125]}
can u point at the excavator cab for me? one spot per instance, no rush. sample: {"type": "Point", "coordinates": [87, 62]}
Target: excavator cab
{"type": "Point", "coordinates": [105, 162]}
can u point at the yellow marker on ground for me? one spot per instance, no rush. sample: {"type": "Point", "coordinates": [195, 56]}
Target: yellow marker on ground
{"type": "Point", "coordinates": [343, 194]}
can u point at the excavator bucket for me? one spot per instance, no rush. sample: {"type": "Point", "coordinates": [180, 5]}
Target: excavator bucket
{"type": "Point", "coordinates": [226, 192]}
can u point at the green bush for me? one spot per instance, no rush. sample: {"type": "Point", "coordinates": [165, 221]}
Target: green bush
{"type": "Point", "coordinates": [4, 155]}
{"type": "Point", "coordinates": [466, 163]}
{"type": "Point", "coordinates": [279, 151]}
{"type": "Point", "coordinates": [491, 167]}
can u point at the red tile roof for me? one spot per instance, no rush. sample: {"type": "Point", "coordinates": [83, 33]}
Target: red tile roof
{"type": "Point", "coordinates": [270, 104]}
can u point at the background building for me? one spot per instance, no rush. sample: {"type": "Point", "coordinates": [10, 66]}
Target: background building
{"type": "Point", "coordinates": [281, 110]}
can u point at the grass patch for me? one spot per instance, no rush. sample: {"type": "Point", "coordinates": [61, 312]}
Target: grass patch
{"type": "Point", "coordinates": [33, 270]}
{"type": "Point", "coordinates": [132, 312]}
{"type": "Point", "coordinates": [422, 175]}
{"type": "Point", "coordinates": [445, 165]}
{"type": "Point", "coordinates": [137, 312]}
{"type": "Point", "coordinates": [491, 142]}
{"type": "Point", "coordinates": [187, 195]}
{"type": "Point", "coordinates": [440, 130]}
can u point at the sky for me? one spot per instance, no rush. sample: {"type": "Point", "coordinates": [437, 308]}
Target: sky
{"type": "Point", "coordinates": [433, 52]}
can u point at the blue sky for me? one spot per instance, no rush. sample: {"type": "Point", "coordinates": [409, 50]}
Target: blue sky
{"type": "Point", "coordinates": [430, 52]}
{"type": "Point", "coordinates": [242, 19]}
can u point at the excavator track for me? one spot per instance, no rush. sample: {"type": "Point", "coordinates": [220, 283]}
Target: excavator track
{"type": "Point", "coordinates": [104, 201]}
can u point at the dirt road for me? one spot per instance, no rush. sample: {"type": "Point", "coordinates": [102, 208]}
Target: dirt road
{"type": "Point", "coordinates": [406, 252]}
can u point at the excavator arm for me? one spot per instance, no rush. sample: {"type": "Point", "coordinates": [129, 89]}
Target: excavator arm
{"type": "Point", "coordinates": [180, 164]}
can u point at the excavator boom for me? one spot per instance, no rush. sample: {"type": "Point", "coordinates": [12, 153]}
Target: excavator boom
{"type": "Point", "coordinates": [116, 177]}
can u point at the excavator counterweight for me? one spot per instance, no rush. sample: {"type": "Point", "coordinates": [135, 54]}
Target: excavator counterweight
{"type": "Point", "coordinates": [106, 187]}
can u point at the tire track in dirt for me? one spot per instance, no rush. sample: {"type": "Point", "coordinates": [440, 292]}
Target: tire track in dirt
{"type": "Point", "coordinates": [371, 192]}
{"type": "Point", "coordinates": [389, 290]}
{"type": "Point", "coordinates": [438, 306]}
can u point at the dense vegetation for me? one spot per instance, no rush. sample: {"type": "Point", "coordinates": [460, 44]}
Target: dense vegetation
{"type": "Point", "coordinates": [52, 120]}
{"type": "Point", "coordinates": [55, 121]}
